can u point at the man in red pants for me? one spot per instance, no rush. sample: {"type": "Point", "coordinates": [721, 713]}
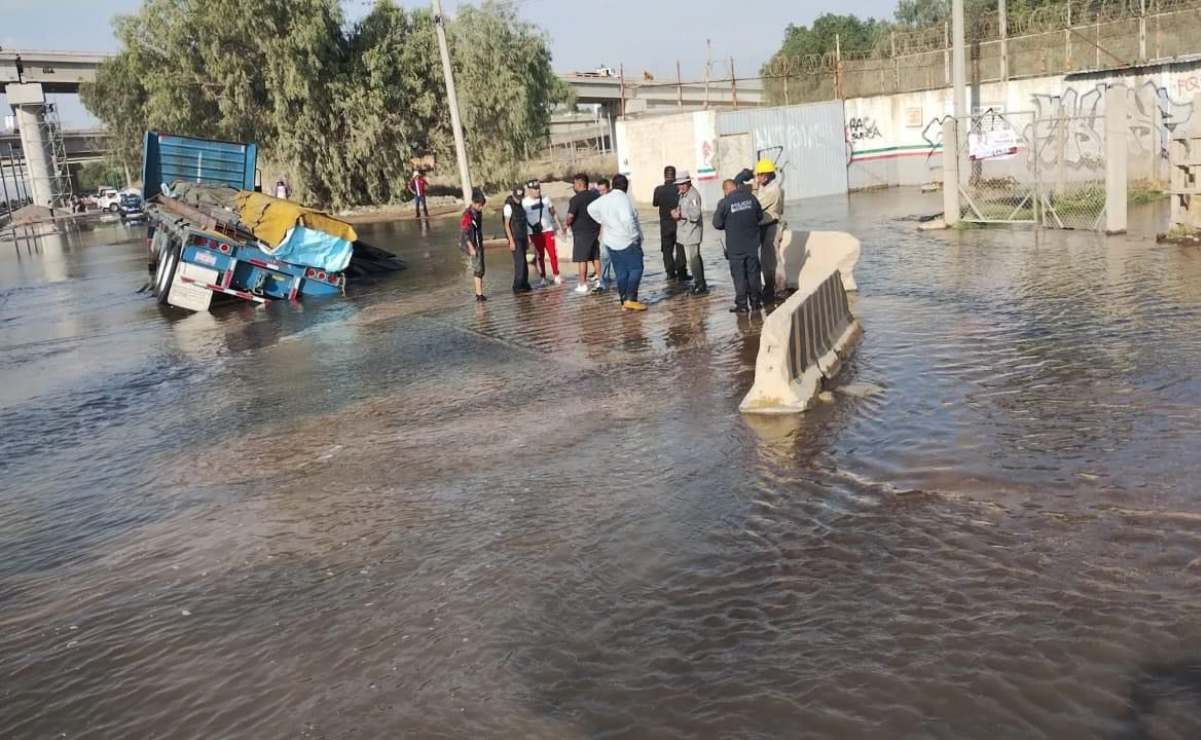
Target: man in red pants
{"type": "Point", "coordinates": [543, 223]}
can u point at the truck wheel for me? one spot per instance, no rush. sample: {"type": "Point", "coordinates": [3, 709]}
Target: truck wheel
{"type": "Point", "coordinates": [168, 261]}
{"type": "Point", "coordinates": [112, 207]}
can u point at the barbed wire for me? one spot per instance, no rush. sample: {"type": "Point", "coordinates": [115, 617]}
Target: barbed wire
{"type": "Point", "coordinates": [1045, 19]}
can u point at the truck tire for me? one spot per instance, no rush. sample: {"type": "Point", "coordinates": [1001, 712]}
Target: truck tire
{"type": "Point", "coordinates": [112, 207]}
{"type": "Point", "coordinates": [168, 262]}
{"type": "Point", "coordinates": [154, 249]}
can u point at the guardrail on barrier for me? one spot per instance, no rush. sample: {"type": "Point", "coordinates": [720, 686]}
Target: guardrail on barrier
{"type": "Point", "coordinates": [803, 342]}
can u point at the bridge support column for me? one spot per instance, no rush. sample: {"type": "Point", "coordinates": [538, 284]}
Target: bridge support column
{"type": "Point", "coordinates": [29, 105]}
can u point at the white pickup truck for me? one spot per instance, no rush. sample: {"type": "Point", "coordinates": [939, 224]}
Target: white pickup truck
{"type": "Point", "coordinates": [108, 199]}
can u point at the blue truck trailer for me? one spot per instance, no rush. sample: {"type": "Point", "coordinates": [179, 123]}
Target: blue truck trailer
{"type": "Point", "coordinates": [197, 251]}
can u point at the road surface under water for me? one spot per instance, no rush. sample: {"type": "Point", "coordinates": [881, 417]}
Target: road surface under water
{"type": "Point", "coordinates": [404, 515]}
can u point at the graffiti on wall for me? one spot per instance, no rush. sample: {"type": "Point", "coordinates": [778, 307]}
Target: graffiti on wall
{"type": "Point", "coordinates": [862, 128]}
{"type": "Point", "coordinates": [1076, 120]}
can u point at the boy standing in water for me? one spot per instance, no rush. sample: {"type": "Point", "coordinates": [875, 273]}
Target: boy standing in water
{"type": "Point", "coordinates": [471, 240]}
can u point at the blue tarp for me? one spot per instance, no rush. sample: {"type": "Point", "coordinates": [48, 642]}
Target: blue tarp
{"type": "Point", "coordinates": [312, 248]}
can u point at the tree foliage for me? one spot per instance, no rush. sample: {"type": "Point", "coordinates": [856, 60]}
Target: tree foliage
{"type": "Point", "coordinates": [343, 107]}
{"type": "Point", "coordinates": [924, 13]}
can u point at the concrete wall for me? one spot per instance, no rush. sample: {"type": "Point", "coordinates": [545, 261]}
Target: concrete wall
{"type": "Point", "coordinates": [646, 145]}
{"type": "Point", "coordinates": [897, 139]}
{"type": "Point", "coordinates": [806, 141]}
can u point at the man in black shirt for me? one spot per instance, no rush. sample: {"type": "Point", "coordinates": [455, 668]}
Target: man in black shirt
{"type": "Point", "coordinates": [666, 198]}
{"type": "Point", "coordinates": [738, 215]}
{"type": "Point", "coordinates": [519, 239]}
{"type": "Point", "coordinates": [585, 231]}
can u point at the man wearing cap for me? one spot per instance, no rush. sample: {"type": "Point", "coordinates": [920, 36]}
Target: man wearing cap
{"type": "Point", "coordinates": [543, 222]}
{"type": "Point", "coordinates": [690, 229]}
{"type": "Point", "coordinates": [666, 198]}
{"type": "Point", "coordinates": [770, 195]}
{"type": "Point", "coordinates": [419, 187]}
{"type": "Point", "coordinates": [622, 234]}
{"type": "Point", "coordinates": [519, 239]}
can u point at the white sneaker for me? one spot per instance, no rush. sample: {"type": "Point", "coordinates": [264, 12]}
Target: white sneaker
{"type": "Point", "coordinates": [581, 289]}
{"type": "Point", "coordinates": [542, 283]}
{"type": "Point", "coordinates": [558, 280]}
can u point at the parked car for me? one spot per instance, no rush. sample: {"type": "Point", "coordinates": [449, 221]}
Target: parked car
{"type": "Point", "coordinates": [130, 206]}
{"type": "Point", "coordinates": [108, 199]}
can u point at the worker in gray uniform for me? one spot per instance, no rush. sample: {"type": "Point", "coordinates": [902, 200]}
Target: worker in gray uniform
{"type": "Point", "coordinates": [690, 229]}
{"type": "Point", "coordinates": [738, 215]}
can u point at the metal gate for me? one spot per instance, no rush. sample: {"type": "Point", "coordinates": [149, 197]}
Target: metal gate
{"type": "Point", "coordinates": [1071, 160]}
{"type": "Point", "coordinates": [998, 168]}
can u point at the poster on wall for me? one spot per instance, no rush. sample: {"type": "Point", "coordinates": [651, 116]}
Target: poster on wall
{"type": "Point", "coordinates": [704, 127]}
{"type": "Point", "coordinates": [996, 143]}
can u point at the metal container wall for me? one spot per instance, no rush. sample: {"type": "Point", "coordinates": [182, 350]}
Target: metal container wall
{"type": "Point", "coordinates": [813, 157]}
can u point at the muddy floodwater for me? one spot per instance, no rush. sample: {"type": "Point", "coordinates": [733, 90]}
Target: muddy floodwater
{"type": "Point", "coordinates": [400, 514]}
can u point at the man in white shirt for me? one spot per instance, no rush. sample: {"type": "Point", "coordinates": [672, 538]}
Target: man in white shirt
{"type": "Point", "coordinates": [542, 223]}
{"type": "Point", "coordinates": [622, 236]}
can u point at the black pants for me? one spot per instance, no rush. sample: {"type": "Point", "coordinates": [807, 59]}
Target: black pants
{"type": "Point", "coordinates": [674, 262]}
{"type": "Point", "coordinates": [767, 258]}
{"type": "Point", "coordinates": [521, 268]}
{"type": "Point", "coordinates": [744, 268]}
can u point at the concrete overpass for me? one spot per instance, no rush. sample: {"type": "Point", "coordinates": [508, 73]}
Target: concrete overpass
{"type": "Point", "coordinates": [56, 71]}
{"type": "Point", "coordinates": [83, 145]}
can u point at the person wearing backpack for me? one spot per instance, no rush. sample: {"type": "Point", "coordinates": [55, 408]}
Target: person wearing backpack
{"type": "Point", "coordinates": [517, 232]}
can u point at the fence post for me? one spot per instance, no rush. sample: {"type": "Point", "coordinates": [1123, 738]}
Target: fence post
{"type": "Point", "coordinates": [1067, 42]}
{"type": "Point", "coordinates": [733, 84]}
{"type": "Point", "coordinates": [622, 89]}
{"type": "Point", "coordinates": [950, 171]}
{"type": "Point", "coordinates": [679, 86]}
{"type": "Point", "coordinates": [1142, 31]}
{"type": "Point", "coordinates": [896, 63]}
{"type": "Point", "coordinates": [946, 55]}
{"type": "Point", "coordinates": [1003, 18]}
{"type": "Point", "coordinates": [838, 91]}
{"type": "Point", "coordinates": [1117, 129]}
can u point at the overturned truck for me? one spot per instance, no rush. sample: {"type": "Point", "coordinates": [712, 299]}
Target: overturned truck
{"type": "Point", "coordinates": [212, 234]}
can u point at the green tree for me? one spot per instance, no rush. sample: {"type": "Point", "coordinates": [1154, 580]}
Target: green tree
{"type": "Point", "coordinates": [803, 44]}
{"type": "Point", "coordinates": [95, 175]}
{"type": "Point", "coordinates": [915, 14]}
{"type": "Point", "coordinates": [342, 107]}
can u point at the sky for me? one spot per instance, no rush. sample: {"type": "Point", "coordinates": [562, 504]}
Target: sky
{"type": "Point", "coordinates": [648, 35]}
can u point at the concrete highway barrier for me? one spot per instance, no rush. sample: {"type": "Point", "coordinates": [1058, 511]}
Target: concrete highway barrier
{"type": "Point", "coordinates": [816, 250]}
{"type": "Point", "coordinates": [806, 339]}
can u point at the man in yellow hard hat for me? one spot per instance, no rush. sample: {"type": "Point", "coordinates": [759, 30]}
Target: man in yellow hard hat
{"type": "Point", "coordinates": [769, 191]}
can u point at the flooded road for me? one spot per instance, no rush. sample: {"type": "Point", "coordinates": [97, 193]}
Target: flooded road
{"type": "Point", "coordinates": [405, 515]}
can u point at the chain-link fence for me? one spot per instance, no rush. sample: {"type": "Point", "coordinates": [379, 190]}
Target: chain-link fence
{"type": "Point", "coordinates": [1071, 160]}
{"type": "Point", "coordinates": [998, 168]}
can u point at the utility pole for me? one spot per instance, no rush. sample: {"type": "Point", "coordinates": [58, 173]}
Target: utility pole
{"type": "Point", "coordinates": [958, 61]}
{"type": "Point", "coordinates": [452, 100]}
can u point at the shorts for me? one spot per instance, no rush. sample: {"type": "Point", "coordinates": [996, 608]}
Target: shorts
{"type": "Point", "coordinates": [477, 263]}
{"type": "Point", "coordinates": [585, 248]}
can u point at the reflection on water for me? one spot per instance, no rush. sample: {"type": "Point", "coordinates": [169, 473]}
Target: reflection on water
{"type": "Point", "coordinates": [403, 513]}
